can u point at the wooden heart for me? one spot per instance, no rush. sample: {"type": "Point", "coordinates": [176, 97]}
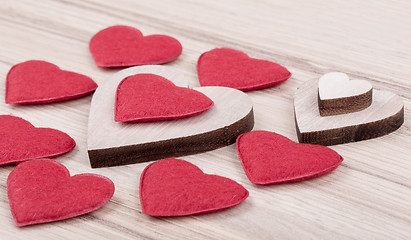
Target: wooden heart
{"type": "Point", "coordinates": [113, 143]}
{"type": "Point", "coordinates": [385, 115]}
{"type": "Point", "coordinates": [337, 94]}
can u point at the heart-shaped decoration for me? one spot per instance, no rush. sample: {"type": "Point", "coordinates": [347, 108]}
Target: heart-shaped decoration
{"type": "Point", "coordinates": [21, 141]}
{"type": "Point", "coordinates": [173, 187]}
{"type": "Point", "coordinates": [385, 115]}
{"type": "Point", "coordinates": [113, 143]}
{"type": "Point", "coordinates": [42, 190]}
{"type": "Point", "coordinates": [149, 97]}
{"type": "Point", "coordinates": [232, 68]}
{"type": "Point", "coordinates": [269, 158]}
{"type": "Point", "coordinates": [36, 82]}
{"type": "Point", "coordinates": [337, 94]}
{"type": "Point", "coordinates": [123, 46]}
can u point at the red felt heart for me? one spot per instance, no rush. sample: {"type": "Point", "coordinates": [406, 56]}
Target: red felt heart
{"type": "Point", "coordinates": [173, 187]}
{"type": "Point", "coordinates": [149, 97]}
{"type": "Point", "coordinates": [269, 158]}
{"type": "Point", "coordinates": [122, 46]}
{"type": "Point", "coordinates": [35, 82]}
{"type": "Point", "coordinates": [20, 141]}
{"type": "Point", "coordinates": [42, 191]}
{"type": "Point", "coordinates": [232, 68]}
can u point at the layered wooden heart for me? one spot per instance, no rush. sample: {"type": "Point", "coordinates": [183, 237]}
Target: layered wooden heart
{"type": "Point", "coordinates": [269, 158]}
{"type": "Point", "coordinates": [337, 94]}
{"type": "Point", "coordinates": [123, 46]}
{"type": "Point", "coordinates": [112, 143]}
{"type": "Point", "coordinates": [42, 190]}
{"type": "Point", "coordinates": [21, 141]}
{"type": "Point", "coordinates": [232, 68]}
{"type": "Point", "coordinates": [174, 187]}
{"type": "Point", "coordinates": [383, 116]}
{"type": "Point", "coordinates": [149, 97]}
{"type": "Point", "coordinates": [36, 82]}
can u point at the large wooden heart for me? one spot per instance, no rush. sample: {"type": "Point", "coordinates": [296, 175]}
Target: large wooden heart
{"type": "Point", "coordinates": [383, 116]}
{"type": "Point", "coordinates": [113, 143]}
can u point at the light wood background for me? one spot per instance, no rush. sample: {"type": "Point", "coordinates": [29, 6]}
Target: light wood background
{"type": "Point", "coordinates": [367, 197]}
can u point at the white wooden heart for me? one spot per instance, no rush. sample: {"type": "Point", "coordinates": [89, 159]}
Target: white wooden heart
{"type": "Point", "coordinates": [113, 143]}
{"type": "Point", "coordinates": [385, 115]}
{"type": "Point", "coordinates": [337, 94]}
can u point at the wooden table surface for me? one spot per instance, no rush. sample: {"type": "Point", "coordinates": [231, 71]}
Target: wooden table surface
{"type": "Point", "coordinates": [367, 197]}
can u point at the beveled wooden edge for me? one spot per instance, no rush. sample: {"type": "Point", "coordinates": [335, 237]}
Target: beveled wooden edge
{"type": "Point", "coordinates": [352, 133]}
{"type": "Point", "coordinates": [329, 107]}
{"type": "Point", "coordinates": [177, 147]}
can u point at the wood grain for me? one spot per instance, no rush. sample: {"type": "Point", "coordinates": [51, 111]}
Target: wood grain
{"type": "Point", "coordinates": [367, 197]}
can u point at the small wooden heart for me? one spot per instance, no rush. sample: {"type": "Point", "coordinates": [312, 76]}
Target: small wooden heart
{"type": "Point", "coordinates": [385, 115]}
{"type": "Point", "coordinates": [113, 143]}
{"type": "Point", "coordinates": [337, 94]}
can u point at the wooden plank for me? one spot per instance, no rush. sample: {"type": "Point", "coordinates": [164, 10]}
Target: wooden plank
{"type": "Point", "coordinates": [367, 197]}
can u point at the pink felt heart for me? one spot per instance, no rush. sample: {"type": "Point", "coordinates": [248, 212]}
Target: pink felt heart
{"type": "Point", "coordinates": [149, 97]}
{"type": "Point", "coordinates": [20, 141]}
{"type": "Point", "coordinates": [42, 190]}
{"type": "Point", "coordinates": [269, 158]}
{"type": "Point", "coordinates": [122, 46]}
{"type": "Point", "coordinates": [173, 187]}
{"type": "Point", "coordinates": [232, 68]}
{"type": "Point", "coordinates": [35, 82]}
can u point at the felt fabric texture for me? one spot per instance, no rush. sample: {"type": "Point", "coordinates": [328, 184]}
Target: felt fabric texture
{"type": "Point", "coordinates": [174, 187]}
{"type": "Point", "coordinates": [232, 68]}
{"type": "Point", "coordinates": [269, 158]}
{"type": "Point", "coordinates": [21, 141]}
{"type": "Point", "coordinates": [150, 97]}
{"type": "Point", "coordinates": [42, 190]}
{"type": "Point", "coordinates": [37, 82]}
{"type": "Point", "coordinates": [122, 46]}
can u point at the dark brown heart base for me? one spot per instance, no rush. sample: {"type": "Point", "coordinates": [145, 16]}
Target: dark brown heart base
{"type": "Point", "coordinates": [171, 148]}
